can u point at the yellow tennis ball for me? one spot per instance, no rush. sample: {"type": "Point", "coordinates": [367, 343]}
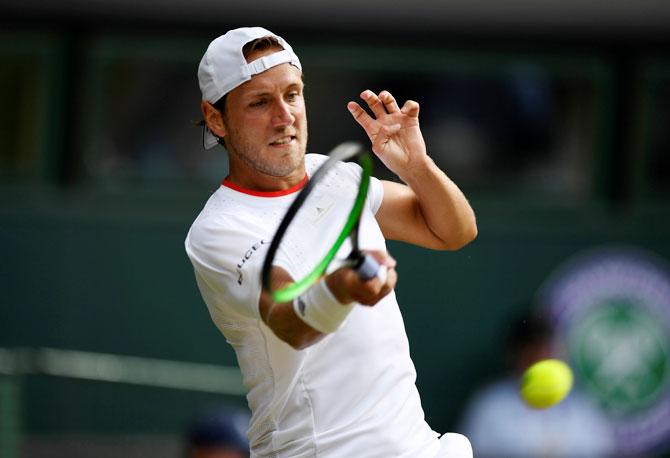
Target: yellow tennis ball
{"type": "Point", "coordinates": [546, 383]}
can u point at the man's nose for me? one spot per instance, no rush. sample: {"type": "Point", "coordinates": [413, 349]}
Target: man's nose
{"type": "Point", "coordinates": [282, 115]}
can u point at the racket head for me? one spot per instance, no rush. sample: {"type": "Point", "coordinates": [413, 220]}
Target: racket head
{"type": "Point", "coordinates": [342, 152]}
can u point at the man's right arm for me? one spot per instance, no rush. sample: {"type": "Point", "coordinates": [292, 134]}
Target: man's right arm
{"type": "Point", "coordinates": [282, 319]}
{"type": "Point", "coordinates": [344, 285]}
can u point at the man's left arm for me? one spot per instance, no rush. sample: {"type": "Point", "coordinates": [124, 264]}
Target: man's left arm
{"type": "Point", "coordinates": [429, 209]}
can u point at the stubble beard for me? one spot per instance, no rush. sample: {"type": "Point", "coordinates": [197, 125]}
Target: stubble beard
{"type": "Point", "coordinates": [252, 156]}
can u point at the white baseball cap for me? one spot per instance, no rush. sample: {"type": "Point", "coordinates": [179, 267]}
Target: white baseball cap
{"type": "Point", "coordinates": [224, 67]}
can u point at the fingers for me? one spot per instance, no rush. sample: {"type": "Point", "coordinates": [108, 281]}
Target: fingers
{"type": "Point", "coordinates": [411, 108]}
{"type": "Point", "coordinates": [362, 117]}
{"type": "Point", "coordinates": [389, 102]}
{"type": "Point", "coordinates": [374, 102]}
{"type": "Point", "coordinates": [369, 292]}
{"type": "Point", "coordinates": [382, 104]}
{"type": "Point", "coordinates": [388, 117]}
{"type": "Point", "coordinates": [347, 286]}
{"type": "Point", "coordinates": [383, 258]}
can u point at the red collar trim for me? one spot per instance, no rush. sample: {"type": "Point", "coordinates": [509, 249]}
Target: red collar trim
{"type": "Point", "coordinates": [251, 192]}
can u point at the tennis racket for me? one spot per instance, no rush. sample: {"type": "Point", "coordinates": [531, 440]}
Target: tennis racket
{"type": "Point", "coordinates": [365, 265]}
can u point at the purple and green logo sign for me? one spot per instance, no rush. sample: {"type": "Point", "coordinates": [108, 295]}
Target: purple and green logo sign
{"type": "Point", "coordinates": [611, 307]}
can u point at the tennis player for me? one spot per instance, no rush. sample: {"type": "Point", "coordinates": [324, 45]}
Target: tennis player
{"type": "Point", "coordinates": [329, 374]}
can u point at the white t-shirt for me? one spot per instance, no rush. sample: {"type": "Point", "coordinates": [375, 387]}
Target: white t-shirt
{"type": "Point", "coordinates": [353, 393]}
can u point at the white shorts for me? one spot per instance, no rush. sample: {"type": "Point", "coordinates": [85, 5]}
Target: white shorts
{"type": "Point", "coordinates": [454, 445]}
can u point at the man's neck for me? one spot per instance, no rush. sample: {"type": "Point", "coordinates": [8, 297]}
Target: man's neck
{"type": "Point", "coordinates": [254, 180]}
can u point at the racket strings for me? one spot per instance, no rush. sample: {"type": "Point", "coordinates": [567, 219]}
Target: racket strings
{"type": "Point", "coordinates": [316, 226]}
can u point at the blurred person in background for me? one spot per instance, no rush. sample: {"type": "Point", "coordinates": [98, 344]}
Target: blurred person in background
{"type": "Point", "coordinates": [501, 425]}
{"type": "Point", "coordinates": [218, 433]}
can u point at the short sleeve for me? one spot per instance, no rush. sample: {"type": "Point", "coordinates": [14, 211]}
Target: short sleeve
{"type": "Point", "coordinates": [375, 194]}
{"type": "Point", "coordinates": [227, 264]}
{"type": "Point", "coordinates": [375, 191]}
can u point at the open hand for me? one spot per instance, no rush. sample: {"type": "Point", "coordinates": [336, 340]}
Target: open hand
{"type": "Point", "coordinates": [394, 131]}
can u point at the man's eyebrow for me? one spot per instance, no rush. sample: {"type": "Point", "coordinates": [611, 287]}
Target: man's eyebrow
{"type": "Point", "coordinates": [258, 93]}
{"type": "Point", "coordinates": [265, 92]}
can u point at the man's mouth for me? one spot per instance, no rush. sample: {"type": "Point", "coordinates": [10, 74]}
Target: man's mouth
{"type": "Point", "coordinates": [283, 140]}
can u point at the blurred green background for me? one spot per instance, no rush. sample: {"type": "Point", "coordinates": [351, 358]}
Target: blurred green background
{"type": "Point", "coordinates": [556, 128]}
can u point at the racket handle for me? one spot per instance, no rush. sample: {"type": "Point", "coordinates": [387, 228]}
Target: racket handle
{"type": "Point", "coordinates": [369, 268]}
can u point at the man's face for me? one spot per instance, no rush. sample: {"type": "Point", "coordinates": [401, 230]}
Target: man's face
{"type": "Point", "coordinates": [265, 122]}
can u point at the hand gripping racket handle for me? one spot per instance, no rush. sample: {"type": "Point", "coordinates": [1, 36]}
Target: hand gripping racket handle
{"type": "Point", "coordinates": [368, 268]}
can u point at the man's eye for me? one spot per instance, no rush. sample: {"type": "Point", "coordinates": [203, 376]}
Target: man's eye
{"type": "Point", "coordinates": [293, 96]}
{"type": "Point", "coordinates": [257, 103]}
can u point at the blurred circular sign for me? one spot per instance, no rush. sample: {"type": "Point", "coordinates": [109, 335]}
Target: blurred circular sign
{"type": "Point", "coordinates": [611, 308]}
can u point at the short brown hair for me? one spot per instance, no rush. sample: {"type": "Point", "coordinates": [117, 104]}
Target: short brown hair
{"type": "Point", "coordinates": [260, 44]}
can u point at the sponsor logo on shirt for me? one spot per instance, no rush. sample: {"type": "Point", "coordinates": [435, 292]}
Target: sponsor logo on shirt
{"type": "Point", "coordinates": [301, 306]}
{"type": "Point", "coordinates": [322, 206]}
{"type": "Point", "coordinates": [247, 255]}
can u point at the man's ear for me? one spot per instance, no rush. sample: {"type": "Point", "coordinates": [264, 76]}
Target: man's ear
{"type": "Point", "coordinates": [213, 119]}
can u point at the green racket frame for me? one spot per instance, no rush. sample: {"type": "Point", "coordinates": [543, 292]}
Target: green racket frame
{"type": "Point", "coordinates": [293, 290]}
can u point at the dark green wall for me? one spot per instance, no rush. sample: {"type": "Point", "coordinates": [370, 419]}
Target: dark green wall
{"type": "Point", "coordinates": [102, 274]}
